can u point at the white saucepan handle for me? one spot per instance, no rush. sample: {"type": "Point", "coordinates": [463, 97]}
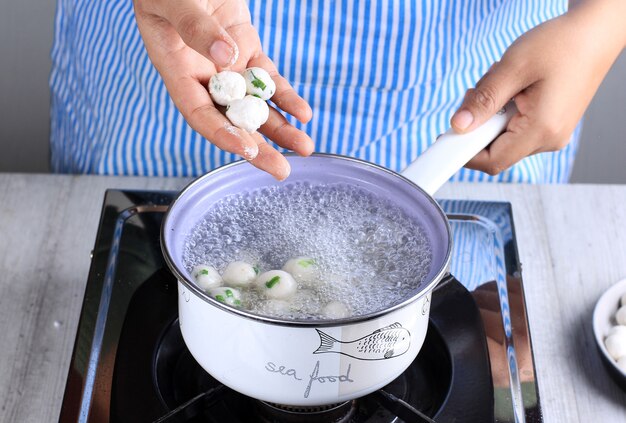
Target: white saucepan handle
{"type": "Point", "coordinates": [452, 151]}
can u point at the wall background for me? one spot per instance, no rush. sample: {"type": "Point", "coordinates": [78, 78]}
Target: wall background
{"type": "Point", "coordinates": [26, 32]}
{"type": "Point", "coordinates": [25, 41]}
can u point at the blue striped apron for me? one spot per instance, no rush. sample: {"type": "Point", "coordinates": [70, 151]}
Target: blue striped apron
{"type": "Point", "coordinates": [383, 78]}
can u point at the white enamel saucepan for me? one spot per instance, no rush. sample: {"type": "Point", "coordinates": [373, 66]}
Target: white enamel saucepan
{"type": "Point", "coordinates": [317, 362]}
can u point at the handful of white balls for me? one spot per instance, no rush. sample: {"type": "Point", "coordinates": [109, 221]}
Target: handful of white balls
{"type": "Point", "coordinates": [615, 342]}
{"type": "Point", "coordinates": [244, 96]}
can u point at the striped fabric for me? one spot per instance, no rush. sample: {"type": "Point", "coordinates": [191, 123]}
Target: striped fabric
{"type": "Point", "coordinates": [383, 78]}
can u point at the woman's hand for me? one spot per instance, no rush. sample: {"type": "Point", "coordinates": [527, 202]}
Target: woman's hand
{"type": "Point", "coordinates": [552, 71]}
{"type": "Point", "coordinates": [188, 41]}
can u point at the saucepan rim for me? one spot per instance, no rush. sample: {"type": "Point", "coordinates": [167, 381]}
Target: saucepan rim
{"type": "Point", "coordinates": [423, 290]}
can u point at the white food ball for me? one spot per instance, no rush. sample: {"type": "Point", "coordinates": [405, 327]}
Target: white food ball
{"type": "Point", "coordinates": [239, 273]}
{"type": "Point", "coordinates": [621, 363]}
{"type": "Point", "coordinates": [616, 345]}
{"type": "Point", "coordinates": [335, 310]}
{"type": "Point", "coordinates": [227, 86]}
{"type": "Point", "coordinates": [622, 300]}
{"type": "Point", "coordinates": [226, 295]}
{"type": "Point", "coordinates": [277, 284]}
{"type": "Point", "coordinates": [249, 113]}
{"type": "Point", "coordinates": [620, 316]}
{"type": "Point", "coordinates": [303, 269]}
{"type": "Point", "coordinates": [617, 330]}
{"type": "Point", "coordinates": [206, 276]}
{"type": "Point", "coordinates": [259, 83]}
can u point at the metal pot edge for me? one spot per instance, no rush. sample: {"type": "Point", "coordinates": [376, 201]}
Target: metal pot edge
{"type": "Point", "coordinates": [441, 273]}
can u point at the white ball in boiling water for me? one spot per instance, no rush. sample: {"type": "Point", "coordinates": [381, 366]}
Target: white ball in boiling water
{"type": "Point", "coordinates": [276, 284]}
{"type": "Point", "coordinates": [620, 316]}
{"type": "Point", "coordinates": [303, 269]}
{"type": "Point", "coordinates": [249, 113]}
{"type": "Point", "coordinates": [259, 83]}
{"type": "Point", "coordinates": [239, 273]}
{"type": "Point", "coordinates": [335, 310]}
{"type": "Point", "coordinates": [616, 345]}
{"type": "Point", "coordinates": [226, 295]}
{"type": "Point", "coordinates": [206, 276]}
{"type": "Point", "coordinates": [226, 87]}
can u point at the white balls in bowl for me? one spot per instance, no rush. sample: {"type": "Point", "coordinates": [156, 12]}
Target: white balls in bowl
{"type": "Point", "coordinates": [610, 324]}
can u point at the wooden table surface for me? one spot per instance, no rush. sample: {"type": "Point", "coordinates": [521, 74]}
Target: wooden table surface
{"type": "Point", "coordinates": [571, 239]}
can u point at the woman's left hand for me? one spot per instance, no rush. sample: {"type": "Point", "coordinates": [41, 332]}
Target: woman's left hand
{"type": "Point", "coordinates": [552, 72]}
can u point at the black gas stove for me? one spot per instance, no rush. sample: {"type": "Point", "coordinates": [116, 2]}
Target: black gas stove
{"type": "Point", "coordinates": [130, 363]}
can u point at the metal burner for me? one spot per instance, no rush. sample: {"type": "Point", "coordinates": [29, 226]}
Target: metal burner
{"type": "Point", "coordinates": [331, 413]}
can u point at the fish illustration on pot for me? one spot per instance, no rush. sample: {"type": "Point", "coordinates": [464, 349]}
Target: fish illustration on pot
{"type": "Point", "coordinates": [384, 343]}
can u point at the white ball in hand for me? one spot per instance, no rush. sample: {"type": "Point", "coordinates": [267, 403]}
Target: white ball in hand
{"type": "Point", "coordinates": [226, 87]}
{"type": "Point", "coordinates": [249, 113]}
{"type": "Point", "coordinates": [259, 83]}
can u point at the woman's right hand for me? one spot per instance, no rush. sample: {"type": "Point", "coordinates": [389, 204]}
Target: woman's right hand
{"type": "Point", "coordinates": [189, 41]}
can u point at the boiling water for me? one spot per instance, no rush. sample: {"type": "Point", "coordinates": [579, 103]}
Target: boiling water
{"type": "Point", "coordinates": [370, 254]}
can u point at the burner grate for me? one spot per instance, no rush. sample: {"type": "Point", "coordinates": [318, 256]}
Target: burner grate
{"type": "Point", "coordinates": [332, 413]}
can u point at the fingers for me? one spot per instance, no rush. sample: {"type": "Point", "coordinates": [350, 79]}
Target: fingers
{"type": "Point", "coordinates": [270, 160]}
{"type": "Point", "coordinates": [279, 130]}
{"type": "Point", "coordinates": [285, 97]}
{"type": "Point", "coordinates": [501, 83]}
{"type": "Point", "coordinates": [535, 129]}
{"type": "Point", "coordinates": [202, 32]}
{"type": "Point", "coordinates": [193, 101]}
{"type": "Point", "coordinates": [520, 140]}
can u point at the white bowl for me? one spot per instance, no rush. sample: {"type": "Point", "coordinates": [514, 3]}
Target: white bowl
{"type": "Point", "coordinates": [603, 320]}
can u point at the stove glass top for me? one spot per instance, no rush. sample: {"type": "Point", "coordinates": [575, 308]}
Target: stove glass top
{"type": "Point", "coordinates": [131, 365]}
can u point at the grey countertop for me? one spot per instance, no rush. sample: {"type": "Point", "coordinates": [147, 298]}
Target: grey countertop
{"type": "Point", "coordinates": [571, 239]}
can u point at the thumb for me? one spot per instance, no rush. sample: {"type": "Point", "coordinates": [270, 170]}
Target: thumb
{"type": "Point", "coordinates": [203, 32]}
{"type": "Point", "coordinates": [501, 83]}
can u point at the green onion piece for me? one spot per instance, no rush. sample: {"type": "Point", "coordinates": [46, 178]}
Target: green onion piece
{"type": "Point", "coordinates": [220, 298]}
{"type": "Point", "coordinates": [306, 262]}
{"type": "Point", "coordinates": [270, 284]}
{"type": "Point", "coordinates": [256, 82]}
{"type": "Point", "coordinates": [256, 269]}
{"type": "Point", "coordinates": [237, 302]}
{"type": "Point", "coordinates": [204, 272]}
{"type": "Point", "coordinates": [229, 293]}
{"type": "Point", "coordinates": [256, 95]}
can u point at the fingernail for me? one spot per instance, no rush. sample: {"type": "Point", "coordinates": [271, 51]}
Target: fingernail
{"type": "Point", "coordinates": [283, 173]}
{"type": "Point", "coordinates": [222, 53]}
{"type": "Point", "coordinates": [462, 119]}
